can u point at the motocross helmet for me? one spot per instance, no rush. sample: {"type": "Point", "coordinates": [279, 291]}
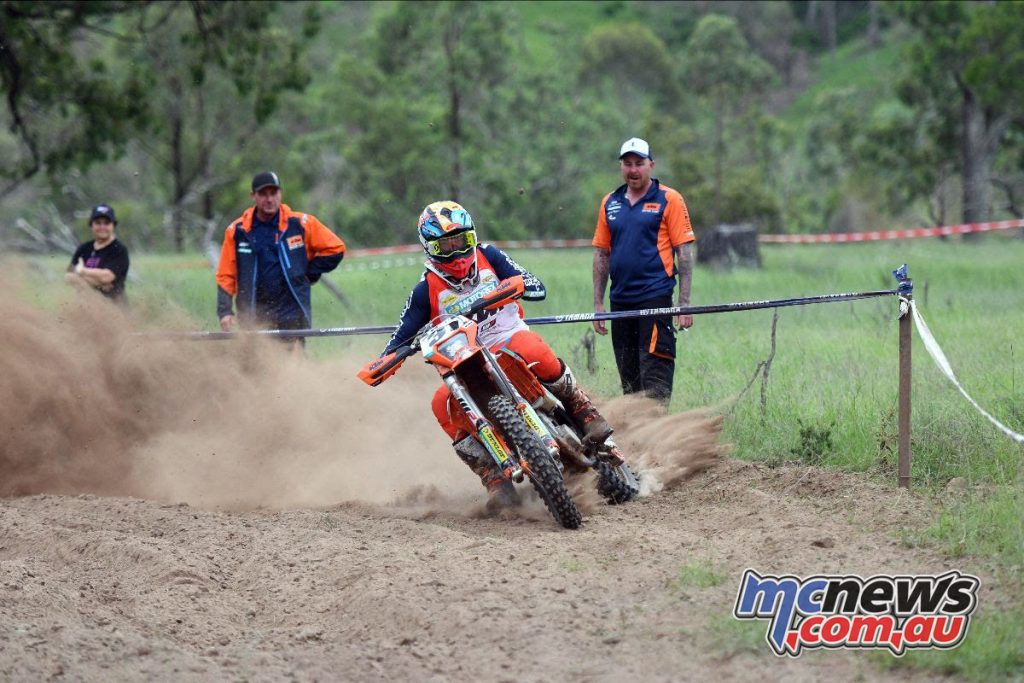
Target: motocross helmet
{"type": "Point", "coordinates": [448, 237]}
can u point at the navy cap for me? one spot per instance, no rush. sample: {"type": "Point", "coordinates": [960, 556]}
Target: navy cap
{"type": "Point", "coordinates": [265, 179]}
{"type": "Point", "coordinates": [103, 211]}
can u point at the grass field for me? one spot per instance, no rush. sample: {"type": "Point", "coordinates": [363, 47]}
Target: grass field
{"type": "Point", "coordinates": [831, 394]}
{"type": "Point", "coordinates": [835, 368]}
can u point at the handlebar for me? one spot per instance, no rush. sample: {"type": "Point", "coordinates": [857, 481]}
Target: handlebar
{"type": "Point", "coordinates": [376, 371]}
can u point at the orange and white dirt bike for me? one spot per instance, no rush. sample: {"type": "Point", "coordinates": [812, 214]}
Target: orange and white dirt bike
{"type": "Point", "coordinates": [527, 431]}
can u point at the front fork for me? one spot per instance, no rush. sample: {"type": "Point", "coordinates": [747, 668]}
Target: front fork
{"type": "Point", "coordinates": [484, 429]}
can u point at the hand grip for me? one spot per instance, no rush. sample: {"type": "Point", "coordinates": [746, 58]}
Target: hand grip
{"type": "Point", "coordinates": [376, 371]}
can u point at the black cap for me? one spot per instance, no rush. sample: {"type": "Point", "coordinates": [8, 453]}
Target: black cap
{"type": "Point", "coordinates": [265, 179]}
{"type": "Point", "coordinates": [103, 211]}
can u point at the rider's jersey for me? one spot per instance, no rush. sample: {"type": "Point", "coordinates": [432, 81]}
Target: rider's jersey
{"type": "Point", "coordinates": [432, 296]}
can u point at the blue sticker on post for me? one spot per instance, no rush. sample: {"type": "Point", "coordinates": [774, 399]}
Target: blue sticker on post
{"type": "Point", "coordinates": [906, 285]}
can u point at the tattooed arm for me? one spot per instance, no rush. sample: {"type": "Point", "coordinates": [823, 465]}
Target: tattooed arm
{"type": "Point", "coordinates": [601, 266]}
{"type": "Point", "coordinates": [684, 264]}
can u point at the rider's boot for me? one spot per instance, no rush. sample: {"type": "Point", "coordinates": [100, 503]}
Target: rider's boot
{"type": "Point", "coordinates": [595, 428]}
{"type": "Point", "coordinates": [501, 493]}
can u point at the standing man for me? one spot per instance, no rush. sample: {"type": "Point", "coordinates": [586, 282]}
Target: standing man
{"type": "Point", "coordinates": [102, 262]}
{"type": "Point", "coordinates": [643, 240]}
{"type": "Point", "coordinates": [270, 258]}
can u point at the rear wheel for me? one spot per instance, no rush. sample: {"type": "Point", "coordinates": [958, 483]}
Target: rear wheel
{"type": "Point", "coordinates": [616, 484]}
{"type": "Point", "coordinates": [543, 472]}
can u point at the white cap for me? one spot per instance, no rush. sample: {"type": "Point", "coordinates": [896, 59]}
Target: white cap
{"type": "Point", "coordinates": [636, 146]}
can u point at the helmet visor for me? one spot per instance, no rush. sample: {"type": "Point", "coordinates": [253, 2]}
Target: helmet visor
{"type": "Point", "coordinates": [450, 246]}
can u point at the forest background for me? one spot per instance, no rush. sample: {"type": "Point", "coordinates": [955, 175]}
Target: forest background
{"type": "Point", "coordinates": [794, 116]}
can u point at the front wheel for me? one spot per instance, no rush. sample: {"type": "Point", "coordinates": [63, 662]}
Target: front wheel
{"type": "Point", "coordinates": [543, 472]}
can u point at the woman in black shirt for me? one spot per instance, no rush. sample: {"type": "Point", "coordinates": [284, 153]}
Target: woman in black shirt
{"type": "Point", "coordinates": [101, 263]}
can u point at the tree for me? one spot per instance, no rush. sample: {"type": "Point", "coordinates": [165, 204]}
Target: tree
{"type": "Point", "coordinates": [63, 110]}
{"type": "Point", "coordinates": [213, 91]}
{"type": "Point", "coordinates": [900, 157]}
{"type": "Point", "coordinates": [770, 28]}
{"type": "Point", "coordinates": [971, 53]}
{"type": "Point", "coordinates": [413, 121]}
{"type": "Point", "coordinates": [387, 157]}
{"type": "Point", "coordinates": [829, 23]}
{"type": "Point", "coordinates": [451, 119]}
{"type": "Point", "coordinates": [721, 67]}
{"type": "Point", "coordinates": [189, 80]}
{"type": "Point", "coordinates": [631, 58]}
{"type": "Point", "coordinates": [461, 54]}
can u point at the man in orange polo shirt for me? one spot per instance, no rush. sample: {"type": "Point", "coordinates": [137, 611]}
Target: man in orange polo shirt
{"type": "Point", "coordinates": [643, 241]}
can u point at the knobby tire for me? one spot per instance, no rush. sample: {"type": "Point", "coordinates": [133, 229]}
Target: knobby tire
{"type": "Point", "coordinates": [617, 484]}
{"type": "Point", "coordinates": [544, 474]}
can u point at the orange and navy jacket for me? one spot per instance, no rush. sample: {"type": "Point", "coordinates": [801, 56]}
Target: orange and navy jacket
{"type": "Point", "coordinates": [641, 238]}
{"type": "Point", "coordinates": [424, 302]}
{"type": "Point", "coordinates": [306, 249]}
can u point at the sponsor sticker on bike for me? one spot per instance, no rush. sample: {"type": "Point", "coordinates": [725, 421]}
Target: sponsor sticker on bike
{"type": "Point", "coordinates": [846, 611]}
{"type": "Point", "coordinates": [530, 418]}
{"type": "Point", "coordinates": [493, 445]}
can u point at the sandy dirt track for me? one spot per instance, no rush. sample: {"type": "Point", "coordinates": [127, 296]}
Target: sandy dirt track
{"type": "Point", "coordinates": [217, 513]}
{"type": "Point", "coordinates": [98, 589]}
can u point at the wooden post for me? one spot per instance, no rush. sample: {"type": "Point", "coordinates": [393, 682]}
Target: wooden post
{"type": "Point", "coordinates": [904, 399]}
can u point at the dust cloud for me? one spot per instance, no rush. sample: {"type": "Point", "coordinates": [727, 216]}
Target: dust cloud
{"type": "Point", "coordinates": [664, 448]}
{"type": "Point", "coordinates": [90, 406]}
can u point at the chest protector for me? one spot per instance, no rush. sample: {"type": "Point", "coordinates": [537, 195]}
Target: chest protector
{"type": "Point", "coordinates": [494, 326]}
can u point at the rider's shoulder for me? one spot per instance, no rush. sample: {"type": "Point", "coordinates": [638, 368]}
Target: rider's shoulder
{"type": "Point", "coordinates": [492, 252]}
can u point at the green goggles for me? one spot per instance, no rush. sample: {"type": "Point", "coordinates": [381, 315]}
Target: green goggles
{"type": "Point", "coordinates": [452, 245]}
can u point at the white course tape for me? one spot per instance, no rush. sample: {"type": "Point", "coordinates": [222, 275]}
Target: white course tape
{"type": "Point", "coordinates": [940, 359]}
{"type": "Point", "coordinates": [386, 264]}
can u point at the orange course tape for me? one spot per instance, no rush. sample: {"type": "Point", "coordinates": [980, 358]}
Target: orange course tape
{"type": "Point", "coordinates": [869, 236]}
{"type": "Point", "coordinates": [874, 235]}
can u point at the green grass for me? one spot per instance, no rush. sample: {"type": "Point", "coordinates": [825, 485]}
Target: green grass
{"type": "Point", "coordinates": [698, 574]}
{"type": "Point", "coordinates": [853, 66]}
{"type": "Point", "coordinates": [549, 26]}
{"type": "Point", "coordinates": [730, 636]}
{"type": "Point", "coordinates": [985, 524]}
{"type": "Point", "coordinates": [992, 651]}
{"type": "Point", "coordinates": [984, 527]}
{"type": "Point", "coordinates": [571, 565]}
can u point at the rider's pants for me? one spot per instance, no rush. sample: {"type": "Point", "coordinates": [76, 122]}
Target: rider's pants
{"type": "Point", "coordinates": [530, 347]}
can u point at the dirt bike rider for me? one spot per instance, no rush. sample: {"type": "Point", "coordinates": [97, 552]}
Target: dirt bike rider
{"type": "Point", "coordinates": [456, 267]}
